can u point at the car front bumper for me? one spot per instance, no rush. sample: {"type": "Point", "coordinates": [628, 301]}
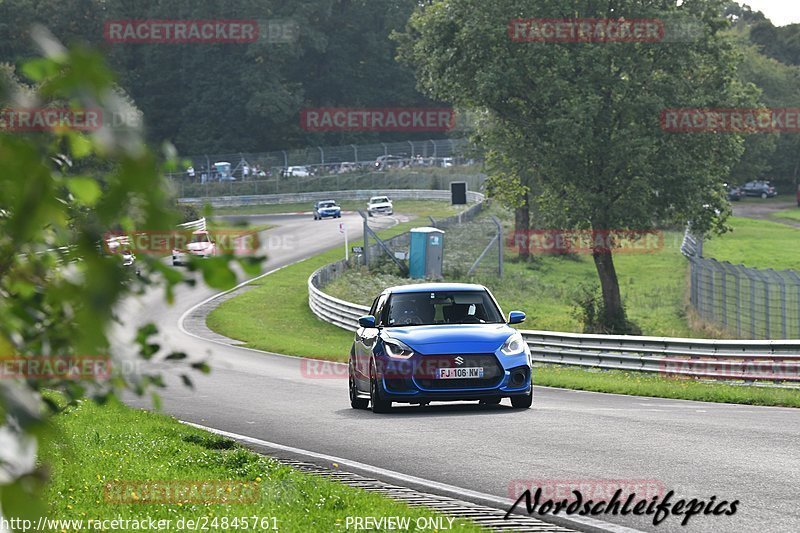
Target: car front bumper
{"type": "Point", "coordinates": [506, 376]}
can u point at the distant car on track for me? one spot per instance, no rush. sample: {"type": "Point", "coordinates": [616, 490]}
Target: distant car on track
{"type": "Point", "coordinates": [761, 188]}
{"type": "Point", "coordinates": [389, 161]}
{"type": "Point", "coordinates": [201, 245]}
{"type": "Point", "coordinates": [438, 342]}
{"type": "Point", "coordinates": [326, 209]}
{"type": "Point", "coordinates": [300, 172]}
{"type": "Point", "coordinates": [379, 205]}
{"type": "Point", "coordinates": [734, 193]}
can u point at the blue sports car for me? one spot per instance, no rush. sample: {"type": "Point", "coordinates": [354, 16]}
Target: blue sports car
{"type": "Point", "coordinates": [438, 342]}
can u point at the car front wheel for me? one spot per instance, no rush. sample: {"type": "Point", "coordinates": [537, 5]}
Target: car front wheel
{"type": "Point", "coordinates": [764, 195]}
{"type": "Point", "coordinates": [379, 405]}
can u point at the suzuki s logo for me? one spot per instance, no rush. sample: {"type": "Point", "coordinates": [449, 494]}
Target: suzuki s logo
{"type": "Point", "coordinates": [459, 360]}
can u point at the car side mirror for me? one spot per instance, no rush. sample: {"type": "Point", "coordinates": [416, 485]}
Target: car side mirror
{"type": "Point", "coordinates": [367, 321]}
{"type": "Point", "coordinates": [516, 317]}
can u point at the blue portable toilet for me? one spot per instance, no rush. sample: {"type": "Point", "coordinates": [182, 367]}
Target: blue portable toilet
{"type": "Point", "coordinates": [426, 253]}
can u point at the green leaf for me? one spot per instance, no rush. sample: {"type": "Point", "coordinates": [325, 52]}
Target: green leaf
{"type": "Point", "coordinates": [85, 190]}
{"type": "Point", "coordinates": [202, 367]}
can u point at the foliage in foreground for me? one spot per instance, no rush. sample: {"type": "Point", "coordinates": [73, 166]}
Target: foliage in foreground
{"type": "Point", "coordinates": [62, 190]}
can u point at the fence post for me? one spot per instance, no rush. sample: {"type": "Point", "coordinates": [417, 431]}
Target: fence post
{"type": "Point", "coordinates": [321, 155]}
{"type": "Point", "coordinates": [499, 246]}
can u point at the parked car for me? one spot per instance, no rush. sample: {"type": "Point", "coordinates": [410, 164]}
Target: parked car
{"type": "Point", "coordinates": [327, 208]}
{"type": "Point", "coordinates": [438, 342]}
{"type": "Point", "coordinates": [379, 205]}
{"type": "Point", "coordinates": [734, 193]}
{"type": "Point", "coordinates": [388, 161]}
{"type": "Point", "coordinates": [300, 172]}
{"type": "Point", "coordinates": [201, 245]}
{"type": "Point", "coordinates": [762, 188]}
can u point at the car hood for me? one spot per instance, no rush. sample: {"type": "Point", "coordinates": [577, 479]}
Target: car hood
{"type": "Point", "coordinates": [333, 208]}
{"type": "Point", "coordinates": [382, 204]}
{"type": "Point", "coordinates": [449, 338]}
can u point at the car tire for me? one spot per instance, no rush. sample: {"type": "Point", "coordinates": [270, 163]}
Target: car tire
{"type": "Point", "coordinates": [379, 405]}
{"type": "Point", "coordinates": [355, 401]}
{"type": "Point", "coordinates": [369, 213]}
{"type": "Point", "coordinates": [763, 196]}
{"type": "Point", "coordinates": [522, 402]}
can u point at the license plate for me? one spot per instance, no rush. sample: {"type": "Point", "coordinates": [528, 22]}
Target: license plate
{"type": "Point", "coordinates": [459, 373]}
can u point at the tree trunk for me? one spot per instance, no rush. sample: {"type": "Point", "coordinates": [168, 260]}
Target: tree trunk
{"type": "Point", "coordinates": [613, 318]}
{"type": "Point", "coordinates": [522, 225]}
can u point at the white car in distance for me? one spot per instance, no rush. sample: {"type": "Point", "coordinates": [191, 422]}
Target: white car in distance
{"type": "Point", "coordinates": [379, 205]}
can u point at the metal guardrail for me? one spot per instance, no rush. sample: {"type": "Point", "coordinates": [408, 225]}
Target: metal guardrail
{"type": "Point", "coordinates": [700, 358]}
{"type": "Point", "coordinates": [310, 197]}
{"type": "Point", "coordinates": [194, 225]}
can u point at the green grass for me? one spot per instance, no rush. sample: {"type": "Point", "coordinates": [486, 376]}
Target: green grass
{"type": "Point", "coordinates": [642, 384]}
{"type": "Point", "coordinates": [792, 214]}
{"type": "Point", "coordinates": [97, 445]}
{"type": "Point", "coordinates": [758, 244]}
{"type": "Point", "coordinates": [422, 208]}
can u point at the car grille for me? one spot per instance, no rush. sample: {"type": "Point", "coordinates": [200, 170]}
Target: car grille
{"type": "Point", "coordinates": [492, 372]}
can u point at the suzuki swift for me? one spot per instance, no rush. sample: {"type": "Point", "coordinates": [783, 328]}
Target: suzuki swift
{"type": "Point", "coordinates": [438, 342]}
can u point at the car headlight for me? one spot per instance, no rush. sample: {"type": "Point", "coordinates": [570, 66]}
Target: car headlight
{"type": "Point", "coordinates": [397, 349]}
{"type": "Point", "coordinates": [514, 344]}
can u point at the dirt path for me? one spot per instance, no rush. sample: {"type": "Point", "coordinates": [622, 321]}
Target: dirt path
{"type": "Point", "coordinates": [763, 209]}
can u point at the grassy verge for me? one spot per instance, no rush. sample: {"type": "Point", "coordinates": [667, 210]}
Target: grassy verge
{"type": "Point", "coordinates": [112, 444]}
{"type": "Point", "coordinates": [792, 214]}
{"type": "Point", "coordinates": [641, 384]}
{"type": "Point", "coordinates": [758, 244]}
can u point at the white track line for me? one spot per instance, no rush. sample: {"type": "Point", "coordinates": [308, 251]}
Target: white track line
{"type": "Point", "coordinates": [451, 490]}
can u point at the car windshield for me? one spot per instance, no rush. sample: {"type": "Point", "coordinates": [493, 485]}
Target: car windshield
{"type": "Point", "coordinates": [200, 237]}
{"type": "Point", "coordinates": [327, 204]}
{"type": "Point", "coordinates": [441, 307]}
{"type": "Point", "coordinates": [380, 200]}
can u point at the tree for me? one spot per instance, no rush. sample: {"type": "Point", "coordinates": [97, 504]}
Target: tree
{"type": "Point", "coordinates": [583, 119]}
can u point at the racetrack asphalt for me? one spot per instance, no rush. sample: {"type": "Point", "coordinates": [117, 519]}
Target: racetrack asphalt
{"type": "Point", "coordinates": [698, 450]}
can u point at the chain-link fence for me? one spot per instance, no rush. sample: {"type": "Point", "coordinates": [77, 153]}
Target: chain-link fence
{"type": "Point", "coordinates": [748, 302]}
{"type": "Point", "coordinates": [472, 245]}
{"type": "Point", "coordinates": [324, 160]}
{"type": "Point", "coordinates": [436, 179]}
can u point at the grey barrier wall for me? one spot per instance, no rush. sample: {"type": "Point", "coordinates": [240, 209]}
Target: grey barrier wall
{"type": "Point", "coordinates": [749, 302]}
{"type": "Point", "coordinates": [310, 197]}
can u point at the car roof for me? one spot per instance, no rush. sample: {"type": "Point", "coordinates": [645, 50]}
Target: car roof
{"type": "Point", "coordinates": [378, 197]}
{"type": "Point", "coordinates": [325, 201]}
{"type": "Point", "coordinates": [428, 287]}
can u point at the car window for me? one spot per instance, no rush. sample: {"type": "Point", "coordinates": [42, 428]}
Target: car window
{"type": "Point", "coordinates": [442, 307]}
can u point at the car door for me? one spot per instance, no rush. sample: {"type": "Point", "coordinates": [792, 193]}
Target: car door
{"type": "Point", "coordinates": [365, 340]}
